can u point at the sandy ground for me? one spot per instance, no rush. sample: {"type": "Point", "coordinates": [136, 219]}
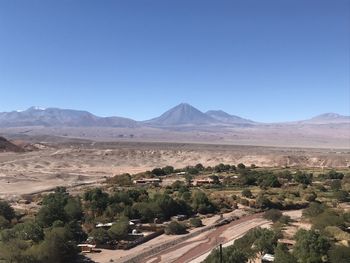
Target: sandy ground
{"type": "Point", "coordinates": [70, 164]}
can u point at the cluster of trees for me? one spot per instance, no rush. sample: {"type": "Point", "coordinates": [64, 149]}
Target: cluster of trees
{"type": "Point", "coordinates": [49, 237]}
{"type": "Point", "coordinates": [276, 215]}
{"type": "Point", "coordinates": [311, 247]}
{"type": "Point", "coordinates": [324, 218]}
{"type": "Point", "coordinates": [220, 168]}
{"type": "Point", "coordinates": [332, 175]}
{"type": "Point", "coordinates": [52, 235]}
{"type": "Point", "coordinates": [137, 204]}
{"type": "Point", "coordinates": [256, 242]}
{"type": "Point", "coordinates": [6, 215]}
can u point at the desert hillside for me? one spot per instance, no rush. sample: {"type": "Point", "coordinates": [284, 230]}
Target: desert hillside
{"type": "Point", "coordinates": [73, 163]}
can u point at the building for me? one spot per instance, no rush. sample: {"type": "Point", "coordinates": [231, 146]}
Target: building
{"type": "Point", "coordinates": [179, 217]}
{"type": "Point", "coordinates": [147, 181]}
{"type": "Point", "coordinates": [87, 248]}
{"type": "Point", "coordinates": [267, 258]}
{"type": "Point", "coordinates": [106, 225]}
{"type": "Point", "coordinates": [200, 182]}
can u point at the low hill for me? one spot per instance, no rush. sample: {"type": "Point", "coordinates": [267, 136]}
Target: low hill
{"type": "Point", "coordinates": [7, 146]}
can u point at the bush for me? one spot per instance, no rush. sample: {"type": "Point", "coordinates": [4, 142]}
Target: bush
{"type": "Point", "coordinates": [247, 193]}
{"type": "Point", "coordinates": [310, 246]}
{"type": "Point", "coordinates": [100, 236]}
{"type": "Point", "coordinates": [273, 214]}
{"type": "Point", "coordinates": [241, 166]}
{"type": "Point", "coordinates": [196, 222]}
{"type": "Point", "coordinates": [6, 211]}
{"type": "Point", "coordinates": [121, 180]}
{"type": "Point", "coordinates": [175, 228]}
{"type": "Point", "coordinates": [313, 210]}
{"type": "Point", "coordinates": [341, 196]}
{"type": "Point", "coordinates": [120, 229]}
{"type": "Point", "coordinates": [285, 219]}
{"type": "Point", "coordinates": [310, 197]}
{"type": "Point", "coordinates": [339, 254]}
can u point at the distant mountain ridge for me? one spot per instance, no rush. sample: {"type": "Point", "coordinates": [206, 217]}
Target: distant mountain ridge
{"type": "Point", "coordinates": [227, 118]}
{"type": "Point", "coordinates": [328, 118]}
{"type": "Point", "coordinates": [181, 115]}
{"type": "Point", "coordinates": [36, 116]}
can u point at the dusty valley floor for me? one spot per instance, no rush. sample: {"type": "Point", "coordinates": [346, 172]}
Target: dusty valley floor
{"type": "Point", "coordinates": [77, 163]}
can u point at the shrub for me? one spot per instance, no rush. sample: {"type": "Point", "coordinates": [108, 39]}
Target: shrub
{"type": "Point", "coordinates": [247, 193]}
{"type": "Point", "coordinates": [121, 180]}
{"type": "Point", "coordinates": [175, 228]}
{"type": "Point", "coordinates": [196, 222]}
{"type": "Point", "coordinates": [6, 211]}
{"type": "Point", "coordinates": [339, 254]}
{"type": "Point", "coordinates": [285, 219]}
{"type": "Point", "coordinates": [273, 214]}
{"type": "Point", "coordinates": [341, 196]}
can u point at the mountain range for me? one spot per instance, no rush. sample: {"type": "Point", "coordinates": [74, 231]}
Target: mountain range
{"type": "Point", "coordinates": [182, 115]}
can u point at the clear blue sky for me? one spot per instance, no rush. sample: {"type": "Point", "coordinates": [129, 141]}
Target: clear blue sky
{"type": "Point", "coordinates": [266, 60]}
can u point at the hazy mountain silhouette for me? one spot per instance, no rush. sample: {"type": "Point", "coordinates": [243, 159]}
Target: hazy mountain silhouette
{"type": "Point", "coordinates": [179, 116]}
{"type": "Point", "coordinates": [328, 118]}
{"type": "Point", "coordinates": [35, 116]}
{"type": "Point", "coordinates": [182, 114]}
{"type": "Point", "coordinates": [224, 117]}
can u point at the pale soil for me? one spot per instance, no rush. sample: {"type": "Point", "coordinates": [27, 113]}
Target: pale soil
{"type": "Point", "coordinates": [280, 135]}
{"type": "Point", "coordinates": [68, 164]}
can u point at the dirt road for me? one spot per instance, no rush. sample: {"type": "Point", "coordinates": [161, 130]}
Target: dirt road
{"type": "Point", "coordinates": [201, 244]}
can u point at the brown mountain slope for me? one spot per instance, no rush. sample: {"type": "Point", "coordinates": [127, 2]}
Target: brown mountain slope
{"type": "Point", "coordinates": [7, 146]}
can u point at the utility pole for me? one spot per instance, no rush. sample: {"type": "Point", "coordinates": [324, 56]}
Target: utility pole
{"type": "Point", "coordinates": [220, 247]}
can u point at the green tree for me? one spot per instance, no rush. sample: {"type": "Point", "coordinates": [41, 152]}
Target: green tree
{"type": "Point", "coordinates": [262, 202]}
{"type": "Point", "coordinates": [29, 230]}
{"type": "Point", "coordinates": [215, 179]}
{"type": "Point", "coordinates": [201, 203]}
{"type": "Point", "coordinates": [339, 254]}
{"type": "Point", "coordinates": [97, 200]}
{"type": "Point", "coordinates": [57, 247]}
{"type": "Point", "coordinates": [196, 222]}
{"type": "Point", "coordinates": [158, 172]}
{"type": "Point", "coordinates": [241, 166]}
{"type": "Point", "coordinates": [15, 251]}
{"type": "Point", "coordinates": [120, 229]}
{"type": "Point", "coordinates": [310, 247]}
{"type": "Point", "coordinates": [4, 223]}
{"type": "Point", "coordinates": [342, 196]}
{"type": "Point", "coordinates": [268, 180]}
{"type": "Point", "coordinates": [53, 207]}
{"type": "Point", "coordinates": [6, 211]}
{"type": "Point", "coordinates": [247, 193]}
{"type": "Point", "coordinates": [313, 210]}
{"type": "Point", "coordinates": [121, 180]}
{"type": "Point", "coordinates": [336, 185]}
{"type": "Point", "coordinates": [168, 169]}
{"type": "Point", "coordinates": [230, 254]}
{"type": "Point", "coordinates": [100, 236]}
{"type": "Point", "coordinates": [175, 228]}
{"type": "Point", "coordinates": [282, 255]}
{"type": "Point", "coordinates": [73, 209]}
{"type": "Point", "coordinates": [273, 214]}
{"type": "Point", "coordinates": [303, 178]}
